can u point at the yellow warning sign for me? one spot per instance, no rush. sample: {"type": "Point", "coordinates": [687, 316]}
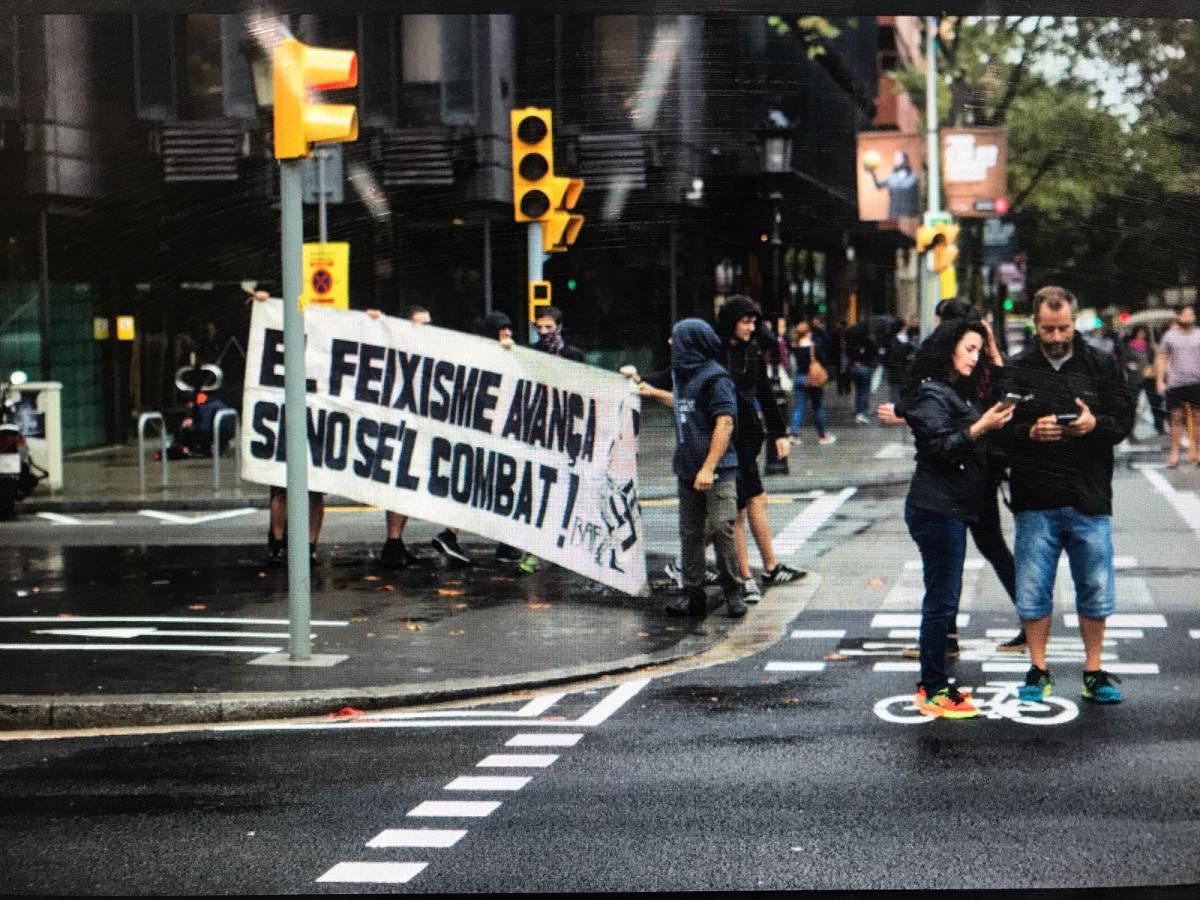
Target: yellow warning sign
{"type": "Point", "coordinates": [100, 328]}
{"type": "Point", "coordinates": [125, 330]}
{"type": "Point", "coordinates": [326, 275]}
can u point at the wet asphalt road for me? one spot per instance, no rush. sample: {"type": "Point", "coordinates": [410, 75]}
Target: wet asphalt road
{"type": "Point", "coordinates": [743, 775]}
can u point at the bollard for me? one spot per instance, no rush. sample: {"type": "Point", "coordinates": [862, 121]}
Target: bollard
{"type": "Point", "coordinates": [216, 449]}
{"type": "Point", "coordinates": [143, 420]}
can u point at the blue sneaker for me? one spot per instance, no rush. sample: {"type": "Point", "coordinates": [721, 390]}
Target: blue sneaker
{"type": "Point", "coordinates": [1097, 687]}
{"type": "Point", "coordinates": [1038, 685]}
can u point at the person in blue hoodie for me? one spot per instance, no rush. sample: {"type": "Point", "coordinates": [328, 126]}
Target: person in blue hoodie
{"type": "Point", "coordinates": [706, 465]}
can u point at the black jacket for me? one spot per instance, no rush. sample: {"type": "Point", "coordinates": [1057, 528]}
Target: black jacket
{"type": "Point", "coordinates": [951, 477]}
{"type": "Point", "coordinates": [745, 362]}
{"type": "Point", "coordinates": [1075, 472]}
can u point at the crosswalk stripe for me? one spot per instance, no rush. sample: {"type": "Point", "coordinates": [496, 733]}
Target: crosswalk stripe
{"type": "Point", "coordinates": [808, 522]}
{"type": "Point", "coordinates": [487, 783]}
{"type": "Point", "coordinates": [474, 809]}
{"type": "Point", "coordinates": [517, 761]}
{"type": "Point", "coordinates": [795, 666]}
{"type": "Point", "coordinates": [910, 620]}
{"type": "Point", "coordinates": [905, 634]}
{"type": "Point", "coordinates": [1127, 620]}
{"type": "Point", "coordinates": [838, 633]}
{"type": "Point", "coordinates": [544, 740]}
{"type": "Point", "coordinates": [416, 837]}
{"type": "Point", "coordinates": [897, 667]}
{"type": "Point", "coordinates": [373, 872]}
{"type": "Point", "coordinates": [1194, 633]}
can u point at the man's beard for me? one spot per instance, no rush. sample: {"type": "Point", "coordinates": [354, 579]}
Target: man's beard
{"type": "Point", "coordinates": [1056, 350]}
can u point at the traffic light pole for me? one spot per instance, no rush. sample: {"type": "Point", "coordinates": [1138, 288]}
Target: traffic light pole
{"type": "Point", "coordinates": [296, 415]}
{"type": "Point", "coordinates": [536, 259]}
{"type": "Point", "coordinates": [927, 285]}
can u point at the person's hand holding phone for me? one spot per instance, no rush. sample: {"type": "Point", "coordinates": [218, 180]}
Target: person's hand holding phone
{"type": "Point", "coordinates": [1084, 423]}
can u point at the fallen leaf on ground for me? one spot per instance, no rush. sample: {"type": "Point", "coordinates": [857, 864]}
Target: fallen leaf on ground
{"type": "Point", "coordinates": [875, 582]}
{"type": "Point", "coordinates": [345, 712]}
{"type": "Point", "coordinates": [68, 615]}
{"type": "Point", "coordinates": [385, 587]}
{"type": "Point", "coordinates": [458, 633]}
{"type": "Point", "coordinates": [370, 634]}
{"type": "Point", "coordinates": [449, 592]}
{"type": "Point", "coordinates": [791, 701]}
{"type": "Point", "coordinates": [196, 607]}
{"type": "Point", "coordinates": [835, 656]}
{"type": "Point", "coordinates": [643, 634]}
{"type": "Point", "coordinates": [411, 626]}
{"type": "Point", "coordinates": [672, 628]}
{"type": "Point", "coordinates": [538, 606]}
{"type": "Point", "coordinates": [370, 578]}
{"type": "Point", "coordinates": [358, 618]}
{"type": "Point", "coordinates": [461, 606]}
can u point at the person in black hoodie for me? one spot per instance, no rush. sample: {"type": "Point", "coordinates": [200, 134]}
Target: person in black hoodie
{"type": "Point", "coordinates": [706, 465]}
{"type": "Point", "coordinates": [949, 489]}
{"type": "Point", "coordinates": [737, 325]}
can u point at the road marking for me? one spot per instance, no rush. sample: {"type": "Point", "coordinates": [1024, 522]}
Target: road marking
{"type": "Point", "coordinates": [487, 783]}
{"type": "Point", "coordinates": [894, 450]}
{"type": "Point", "coordinates": [198, 620]}
{"type": "Point", "coordinates": [517, 761]}
{"type": "Point", "coordinates": [1113, 633]}
{"type": "Point", "coordinates": [471, 809]}
{"type": "Point", "coordinates": [1194, 633]}
{"type": "Point", "coordinates": [1185, 503]}
{"type": "Point", "coordinates": [838, 633]}
{"type": "Point", "coordinates": [544, 740]}
{"type": "Point", "coordinates": [1119, 620]}
{"type": "Point", "coordinates": [795, 666]}
{"type": "Point", "coordinates": [60, 519]}
{"type": "Point", "coordinates": [176, 519]}
{"type": "Point", "coordinates": [610, 704]}
{"type": "Point", "coordinates": [171, 648]}
{"type": "Point", "coordinates": [805, 525]}
{"type": "Point", "coordinates": [530, 710]}
{"type": "Point", "coordinates": [909, 634]}
{"type": "Point", "coordinates": [150, 632]}
{"type": "Point", "coordinates": [977, 562]}
{"type": "Point", "coordinates": [373, 873]}
{"type": "Point", "coordinates": [971, 563]}
{"type": "Point", "coordinates": [897, 667]}
{"type": "Point", "coordinates": [416, 837]}
{"type": "Point", "coordinates": [1118, 668]}
{"type": "Point", "coordinates": [910, 620]}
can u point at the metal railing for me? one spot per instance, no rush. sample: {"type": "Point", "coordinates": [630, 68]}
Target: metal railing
{"type": "Point", "coordinates": [216, 449]}
{"type": "Point", "coordinates": [143, 420]}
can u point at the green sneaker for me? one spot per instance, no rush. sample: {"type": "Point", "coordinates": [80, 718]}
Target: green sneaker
{"type": "Point", "coordinates": [1038, 685]}
{"type": "Point", "coordinates": [1097, 687]}
{"type": "Point", "coordinates": [528, 564]}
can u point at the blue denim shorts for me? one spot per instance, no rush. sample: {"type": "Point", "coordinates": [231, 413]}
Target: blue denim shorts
{"type": "Point", "coordinates": [1042, 536]}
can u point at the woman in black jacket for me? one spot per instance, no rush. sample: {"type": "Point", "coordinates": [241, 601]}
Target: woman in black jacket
{"type": "Point", "coordinates": [949, 489]}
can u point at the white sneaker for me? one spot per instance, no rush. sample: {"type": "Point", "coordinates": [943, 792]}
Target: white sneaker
{"type": "Point", "coordinates": [827, 439]}
{"type": "Point", "coordinates": [751, 592]}
{"type": "Point", "coordinates": [862, 419]}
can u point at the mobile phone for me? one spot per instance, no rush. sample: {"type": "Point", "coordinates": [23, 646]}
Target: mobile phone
{"type": "Point", "coordinates": [1012, 397]}
{"type": "Point", "coordinates": [1066, 418]}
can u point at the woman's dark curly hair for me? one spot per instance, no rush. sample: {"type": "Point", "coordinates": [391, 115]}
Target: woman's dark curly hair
{"type": "Point", "coordinates": [935, 360]}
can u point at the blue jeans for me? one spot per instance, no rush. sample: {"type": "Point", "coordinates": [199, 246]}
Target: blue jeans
{"type": "Point", "coordinates": [862, 387]}
{"type": "Point", "coordinates": [1042, 536]}
{"type": "Point", "coordinates": [942, 541]}
{"type": "Point", "coordinates": [805, 395]}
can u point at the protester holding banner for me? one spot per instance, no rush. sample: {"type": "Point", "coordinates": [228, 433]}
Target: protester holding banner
{"type": "Point", "coordinates": [550, 336]}
{"type": "Point", "coordinates": [705, 403]}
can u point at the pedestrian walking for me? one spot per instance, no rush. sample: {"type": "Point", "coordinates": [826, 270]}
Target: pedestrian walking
{"type": "Point", "coordinates": [1060, 445]}
{"type": "Point", "coordinates": [1178, 379]}
{"type": "Point", "coordinates": [949, 490]}
{"type": "Point", "coordinates": [705, 464]}
{"type": "Point", "coordinates": [897, 358]}
{"type": "Point", "coordinates": [737, 326]}
{"type": "Point", "coordinates": [1138, 362]}
{"type": "Point", "coordinates": [809, 381]}
{"type": "Point", "coordinates": [863, 355]}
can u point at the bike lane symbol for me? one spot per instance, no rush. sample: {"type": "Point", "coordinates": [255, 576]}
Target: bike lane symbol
{"type": "Point", "coordinates": [995, 700]}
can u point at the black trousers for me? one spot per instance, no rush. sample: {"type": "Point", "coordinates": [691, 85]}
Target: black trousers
{"type": "Point", "coordinates": [989, 539]}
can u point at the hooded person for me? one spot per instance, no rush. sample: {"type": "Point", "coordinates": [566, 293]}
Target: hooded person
{"type": "Point", "coordinates": [498, 325]}
{"type": "Point", "coordinates": [705, 463]}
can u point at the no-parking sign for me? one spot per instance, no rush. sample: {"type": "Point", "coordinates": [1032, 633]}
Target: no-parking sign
{"type": "Point", "coordinates": [326, 275]}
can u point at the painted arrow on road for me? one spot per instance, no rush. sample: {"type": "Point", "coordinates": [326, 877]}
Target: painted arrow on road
{"type": "Point", "coordinates": [176, 519]}
{"type": "Point", "coordinates": [128, 633]}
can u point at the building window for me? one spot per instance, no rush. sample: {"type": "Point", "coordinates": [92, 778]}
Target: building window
{"type": "Point", "coordinates": [437, 70]}
{"type": "Point", "coordinates": [154, 65]}
{"type": "Point", "coordinates": [617, 65]}
{"type": "Point", "coordinates": [8, 62]}
{"type": "Point", "coordinates": [203, 85]}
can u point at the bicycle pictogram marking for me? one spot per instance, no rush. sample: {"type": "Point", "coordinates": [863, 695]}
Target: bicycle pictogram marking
{"type": "Point", "coordinates": [994, 700]}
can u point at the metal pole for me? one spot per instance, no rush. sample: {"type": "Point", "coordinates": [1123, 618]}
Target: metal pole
{"type": "Point", "coordinates": [295, 419]}
{"type": "Point", "coordinates": [535, 265]}
{"type": "Point", "coordinates": [487, 267]}
{"type": "Point", "coordinates": [44, 290]}
{"type": "Point", "coordinates": [674, 277]}
{"type": "Point", "coordinates": [927, 286]}
{"type": "Point", "coordinates": [322, 221]}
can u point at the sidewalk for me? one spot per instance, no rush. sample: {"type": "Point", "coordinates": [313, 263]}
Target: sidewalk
{"type": "Point", "coordinates": [145, 635]}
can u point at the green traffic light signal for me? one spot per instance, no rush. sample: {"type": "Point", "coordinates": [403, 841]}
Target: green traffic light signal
{"type": "Point", "coordinates": [1008, 305]}
{"type": "Point", "coordinates": [822, 308]}
{"type": "Point", "coordinates": [571, 284]}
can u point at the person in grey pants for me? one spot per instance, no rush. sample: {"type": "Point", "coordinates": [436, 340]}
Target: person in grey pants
{"type": "Point", "coordinates": [705, 463]}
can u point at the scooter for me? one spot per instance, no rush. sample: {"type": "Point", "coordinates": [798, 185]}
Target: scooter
{"type": "Point", "coordinates": [19, 474]}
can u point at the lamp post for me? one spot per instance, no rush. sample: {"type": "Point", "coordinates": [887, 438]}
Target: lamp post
{"type": "Point", "coordinates": [775, 160]}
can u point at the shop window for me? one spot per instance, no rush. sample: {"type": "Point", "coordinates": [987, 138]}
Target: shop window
{"type": "Point", "coordinates": [203, 71]}
{"type": "Point", "coordinates": [436, 70]}
{"type": "Point", "coordinates": [154, 65]}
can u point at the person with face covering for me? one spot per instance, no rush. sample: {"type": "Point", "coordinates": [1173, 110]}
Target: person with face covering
{"type": "Point", "coordinates": [949, 490]}
{"type": "Point", "coordinates": [704, 461]}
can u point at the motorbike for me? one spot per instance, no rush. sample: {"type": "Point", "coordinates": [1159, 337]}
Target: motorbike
{"type": "Point", "coordinates": [19, 475]}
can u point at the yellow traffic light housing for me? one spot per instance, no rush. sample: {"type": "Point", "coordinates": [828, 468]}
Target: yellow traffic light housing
{"type": "Point", "coordinates": [297, 70]}
{"type": "Point", "coordinates": [532, 163]}
{"type": "Point", "coordinates": [539, 295]}
{"type": "Point", "coordinates": [560, 227]}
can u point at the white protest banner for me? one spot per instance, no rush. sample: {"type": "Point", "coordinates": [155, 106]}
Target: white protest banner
{"type": "Point", "coordinates": [515, 445]}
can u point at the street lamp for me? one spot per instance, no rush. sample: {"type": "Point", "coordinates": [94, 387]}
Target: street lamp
{"type": "Point", "coordinates": [775, 159]}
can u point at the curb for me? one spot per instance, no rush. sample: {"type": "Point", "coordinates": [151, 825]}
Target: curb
{"type": "Point", "coordinates": [67, 712]}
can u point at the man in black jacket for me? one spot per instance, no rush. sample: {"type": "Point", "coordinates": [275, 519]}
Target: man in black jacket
{"type": "Point", "coordinates": [1073, 409]}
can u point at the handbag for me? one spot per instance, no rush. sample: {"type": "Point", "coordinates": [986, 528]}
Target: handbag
{"type": "Point", "coordinates": [817, 376]}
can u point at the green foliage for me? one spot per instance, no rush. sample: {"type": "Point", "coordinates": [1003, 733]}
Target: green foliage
{"type": "Point", "coordinates": [813, 31]}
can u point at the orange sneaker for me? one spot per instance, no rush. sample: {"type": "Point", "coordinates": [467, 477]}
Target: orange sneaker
{"type": "Point", "coordinates": [947, 703]}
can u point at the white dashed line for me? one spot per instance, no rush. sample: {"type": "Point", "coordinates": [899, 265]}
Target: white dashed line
{"type": "Point", "coordinates": [487, 783]}
{"type": "Point", "coordinates": [471, 809]}
{"type": "Point", "coordinates": [897, 667]}
{"type": "Point", "coordinates": [795, 666]}
{"type": "Point", "coordinates": [1123, 620]}
{"type": "Point", "coordinates": [838, 633]}
{"type": "Point", "coordinates": [1194, 633]}
{"type": "Point", "coordinates": [517, 761]}
{"type": "Point", "coordinates": [373, 872]}
{"type": "Point", "coordinates": [544, 740]}
{"type": "Point", "coordinates": [1118, 668]}
{"type": "Point", "coordinates": [908, 634]}
{"type": "Point", "coordinates": [910, 620]}
{"type": "Point", "coordinates": [1185, 503]}
{"type": "Point", "coordinates": [416, 837]}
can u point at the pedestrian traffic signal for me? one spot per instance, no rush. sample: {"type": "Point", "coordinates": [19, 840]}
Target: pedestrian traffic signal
{"type": "Point", "coordinates": [561, 227]}
{"type": "Point", "coordinates": [532, 163]}
{"type": "Point", "coordinates": [297, 70]}
{"type": "Point", "coordinates": [539, 296]}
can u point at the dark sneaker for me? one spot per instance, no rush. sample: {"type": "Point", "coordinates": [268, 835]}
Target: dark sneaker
{"type": "Point", "coordinates": [275, 551]}
{"type": "Point", "coordinates": [782, 574]}
{"type": "Point", "coordinates": [1097, 687]}
{"type": "Point", "coordinates": [505, 553]}
{"type": "Point", "coordinates": [1017, 644]}
{"type": "Point", "coordinates": [447, 543]}
{"type": "Point", "coordinates": [689, 603]}
{"type": "Point", "coordinates": [948, 703]}
{"type": "Point", "coordinates": [395, 555]}
{"type": "Point", "coordinates": [735, 604]}
{"type": "Point", "coordinates": [751, 592]}
{"type": "Point", "coordinates": [1038, 685]}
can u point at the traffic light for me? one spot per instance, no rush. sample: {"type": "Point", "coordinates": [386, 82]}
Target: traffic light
{"type": "Point", "coordinates": [297, 70]}
{"type": "Point", "coordinates": [539, 296]}
{"type": "Point", "coordinates": [532, 163]}
{"type": "Point", "coordinates": [561, 227]}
